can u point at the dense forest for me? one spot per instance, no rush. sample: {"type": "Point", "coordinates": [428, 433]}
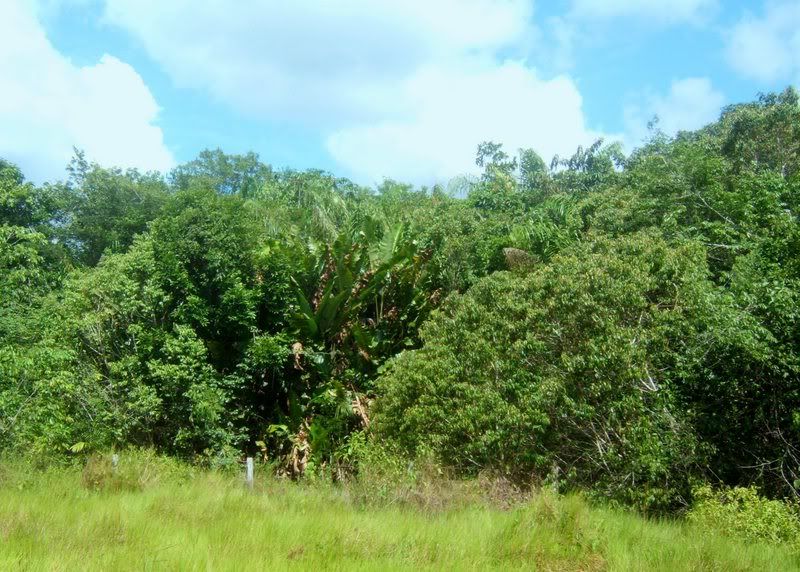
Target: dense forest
{"type": "Point", "coordinates": [628, 326]}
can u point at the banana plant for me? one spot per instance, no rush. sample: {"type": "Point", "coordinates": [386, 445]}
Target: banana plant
{"type": "Point", "coordinates": [367, 278]}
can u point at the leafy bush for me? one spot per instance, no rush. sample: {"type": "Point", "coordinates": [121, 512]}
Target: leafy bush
{"type": "Point", "coordinates": [743, 513]}
{"type": "Point", "coordinates": [569, 373]}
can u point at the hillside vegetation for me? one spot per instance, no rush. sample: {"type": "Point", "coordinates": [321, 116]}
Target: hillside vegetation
{"type": "Point", "coordinates": [625, 328]}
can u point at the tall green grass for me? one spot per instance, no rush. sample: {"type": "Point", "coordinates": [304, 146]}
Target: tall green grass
{"type": "Point", "coordinates": [154, 514]}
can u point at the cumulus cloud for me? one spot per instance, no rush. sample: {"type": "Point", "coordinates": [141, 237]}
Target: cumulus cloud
{"type": "Point", "coordinates": [455, 109]}
{"type": "Point", "coordinates": [398, 89]}
{"type": "Point", "coordinates": [48, 105]}
{"type": "Point", "coordinates": [690, 104]}
{"type": "Point", "coordinates": [313, 61]}
{"type": "Point", "coordinates": [767, 47]}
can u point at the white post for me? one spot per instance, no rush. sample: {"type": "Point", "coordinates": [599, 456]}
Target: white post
{"type": "Point", "coordinates": [249, 472]}
{"type": "Point", "coordinates": [114, 462]}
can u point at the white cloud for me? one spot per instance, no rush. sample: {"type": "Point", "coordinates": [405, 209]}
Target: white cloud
{"type": "Point", "coordinates": [399, 89]}
{"type": "Point", "coordinates": [314, 61]}
{"type": "Point", "coordinates": [657, 11]}
{"type": "Point", "coordinates": [690, 104]}
{"type": "Point", "coordinates": [455, 109]}
{"type": "Point", "coordinates": [767, 48]}
{"type": "Point", "coordinates": [48, 105]}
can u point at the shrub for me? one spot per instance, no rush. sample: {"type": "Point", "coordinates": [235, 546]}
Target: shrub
{"type": "Point", "coordinates": [571, 373]}
{"type": "Point", "coordinates": [741, 512]}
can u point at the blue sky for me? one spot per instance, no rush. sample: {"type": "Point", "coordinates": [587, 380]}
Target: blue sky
{"type": "Point", "coordinates": [368, 88]}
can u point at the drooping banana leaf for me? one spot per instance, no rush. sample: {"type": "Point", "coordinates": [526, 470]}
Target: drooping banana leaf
{"type": "Point", "coordinates": [328, 317]}
{"type": "Point", "coordinates": [305, 319]}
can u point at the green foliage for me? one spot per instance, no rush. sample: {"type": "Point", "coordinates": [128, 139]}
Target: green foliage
{"type": "Point", "coordinates": [158, 333]}
{"type": "Point", "coordinates": [497, 191]}
{"type": "Point", "coordinates": [48, 401]}
{"type": "Point", "coordinates": [242, 175]}
{"type": "Point", "coordinates": [462, 244]}
{"type": "Point", "coordinates": [568, 373]}
{"type": "Point", "coordinates": [21, 204]}
{"type": "Point", "coordinates": [103, 209]}
{"type": "Point", "coordinates": [21, 264]}
{"type": "Point", "coordinates": [588, 169]}
{"type": "Point", "coordinates": [646, 337]}
{"type": "Point", "coordinates": [28, 261]}
{"type": "Point", "coordinates": [742, 513]}
{"type": "Point", "coordinates": [193, 396]}
{"type": "Point", "coordinates": [366, 298]}
{"type": "Point", "coordinates": [763, 135]}
{"type": "Point", "coordinates": [204, 248]}
{"type": "Point", "coordinates": [552, 226]}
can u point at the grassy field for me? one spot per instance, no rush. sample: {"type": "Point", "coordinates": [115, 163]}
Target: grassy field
{"type": "Point", "coordinates": [160, 516]}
